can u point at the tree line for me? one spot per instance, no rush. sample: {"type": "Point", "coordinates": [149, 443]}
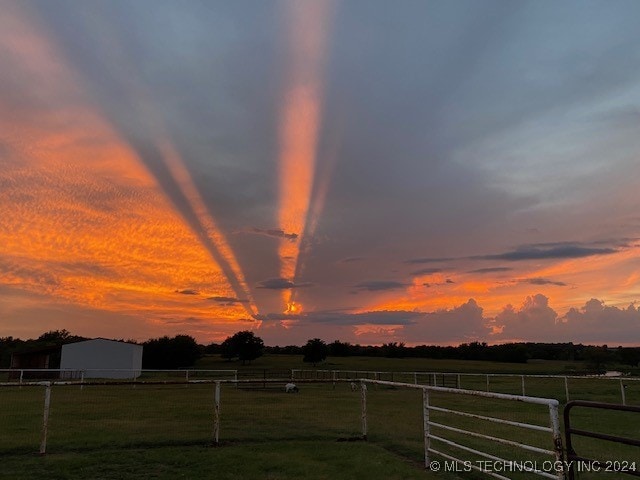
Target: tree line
{"type": "Point", "coordinates": [183, 351]}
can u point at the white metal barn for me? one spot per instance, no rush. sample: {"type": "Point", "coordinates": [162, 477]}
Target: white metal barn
{"type": "Point", "coordinates": [102, 358]}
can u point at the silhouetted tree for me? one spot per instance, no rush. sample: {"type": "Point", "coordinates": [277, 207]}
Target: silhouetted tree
{"type": "Point", "coordinates": [597, 358]}
{"type": "Point", "coordinates": [393, 349]}
{"type": "Point", "coordinates": [315, 351]}
{"type": "Point", "coordinates": [629, 356]}
{"type": "Point", "coordinates": [177, 352]}
{"type": "Point", "coordinates": [244, 346]}
{"type": "Point", "coordinates": [340, 349]}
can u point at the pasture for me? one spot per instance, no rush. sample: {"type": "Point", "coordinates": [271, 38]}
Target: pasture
{"type": "Point", "coordinates": [166, 431]}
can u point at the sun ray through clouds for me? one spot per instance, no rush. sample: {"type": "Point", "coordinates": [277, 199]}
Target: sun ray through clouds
{"type": "Point", "coordinates": [227, 258]}
{"type": "Point", "coordinates": [300, 121]}
{"type": "Point", "coordinates": [137, 118]}
{"type": "Point", "coordinates": [91, 223]}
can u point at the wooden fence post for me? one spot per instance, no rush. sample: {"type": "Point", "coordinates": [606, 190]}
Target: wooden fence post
{"type": "Point", "coordinates": [45, 418]}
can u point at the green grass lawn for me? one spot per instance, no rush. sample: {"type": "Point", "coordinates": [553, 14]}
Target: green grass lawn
{"type": "Point", "coordinates": [318, 460]}
{"type": "Point", "coordinates": [284, 362]}
{"type": "Point", "coordinates": [165, 431]}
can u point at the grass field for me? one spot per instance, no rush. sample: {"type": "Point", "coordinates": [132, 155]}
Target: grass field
{"type": "Point", "coordinates": [318, 460]}
{"type": "Point", "coordinates": [284, 362]}
{"type": "Point", "coordinates": [166, 431]}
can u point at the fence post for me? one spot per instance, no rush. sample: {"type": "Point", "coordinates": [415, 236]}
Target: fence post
{"type": "Point", "coordinates": [45, 418]}
{"type": "Point", "coordinates": [333, 375]}
{"type": "Point", "coordinates": [557, 438]}
{"type": "Point", "coordinates": [459, 382]}
{"type": "Point", "coordinates": [435, 381]}
{"type": "Point", "coordinates": [81, 379]}
{"type": "Point", "coordinates": [523, 394]}
{"type": "Point", "coordinates": [415, 378]}
{"type": "Point", "coordinates": [427, 429]}
{"type": "Point", "coordinates": [216, 415]}
{"type": "Point", "coordinates": [566, 388]}
{"type": "Point", "coordinates": [363, 396]}
{"type": "Point", "coordinates": [487, 383]}
{"type": "Point", "coordinates": [622, 393]}
{"type": "Point", "coordinates": [21, 375]}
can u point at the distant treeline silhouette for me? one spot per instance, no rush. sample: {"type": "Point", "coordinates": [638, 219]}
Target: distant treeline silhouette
{"type": "Point", "coordinates": [183, 351]}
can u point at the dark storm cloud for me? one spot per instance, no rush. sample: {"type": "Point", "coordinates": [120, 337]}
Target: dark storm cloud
{"type": "Point", "coordinates": [281, 284]}
{"type": "Point", "coordinates": [380, 285]}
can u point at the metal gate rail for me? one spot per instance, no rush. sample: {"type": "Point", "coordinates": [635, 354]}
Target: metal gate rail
{"type": "Point", "coordinates": [572, 456]}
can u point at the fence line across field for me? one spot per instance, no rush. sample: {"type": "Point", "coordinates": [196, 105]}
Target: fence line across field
{"type": "Point", "coordinates": [48, 385]}
{"type": "Point", "coordinates": [431, 378]}
{"type": "Point", "coordinates": [555, 441]}
{"type": "Point", "coordinates": [418, 378]}
{"type": "Point", "coordinates": [23, 374]}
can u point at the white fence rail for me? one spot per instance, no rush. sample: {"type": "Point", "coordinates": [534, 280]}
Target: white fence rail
{"type": "Point", "coordinates": [367, 413]}
{"type": "Point", "coordinates": [22, 375]}
{"type": "Point", "coordinates": [459, 379]}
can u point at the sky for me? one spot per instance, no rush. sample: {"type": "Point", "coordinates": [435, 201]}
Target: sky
{"type": "Point", "coordinates": [422, 171]}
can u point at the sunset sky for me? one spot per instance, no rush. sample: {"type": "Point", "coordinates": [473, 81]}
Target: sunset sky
{"type": "Point", "coordinates": [419, 171]}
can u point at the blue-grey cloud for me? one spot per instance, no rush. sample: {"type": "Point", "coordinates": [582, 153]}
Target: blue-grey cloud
{"type": "Point", "coordinates": [281, 284]}
{"type": "Point", "coordinates": [273, 233]}
{"type": "Point", "coordinates": [332, 317]}
{"type": "Point", "coordinates": [380, 285]}
{"type": "Point", "coordinates": [188, 291]}
{"type": "Point", "coordinates": [426, 271]}
{"type": "Point", "coordinates": [542, 281]}
{"type": "Point", "coordinates": [546, 252]}
{"type": "Point", "coordinates": [491, 270]}
{"type": "Point", "coordinates": [228, 300]}
{"type": "Point", "coordinates": [538, 251]}
{"type": "Point", "coordinates": [448, 281]}
{"type": "Point", "coordinates": [412, 261]}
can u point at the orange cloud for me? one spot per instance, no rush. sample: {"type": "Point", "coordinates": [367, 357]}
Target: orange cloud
{"type": "Point", "coordinates": [83, 222]}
